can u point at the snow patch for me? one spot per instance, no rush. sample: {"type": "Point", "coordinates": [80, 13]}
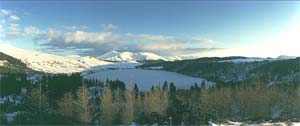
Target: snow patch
{"type": "Point", "coordinates": [4, 63]}
{"type": "Point", "coordinates": [244, 60]}
{"type": "Point", "coordinates": [284, 57]}
{"type": "Point", "coordinates": [117, 65]}
{"type": "Point", "coordinates": [156, 67]}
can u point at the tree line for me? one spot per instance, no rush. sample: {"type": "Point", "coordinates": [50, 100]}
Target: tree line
{"type": "Point", "coordinates": [110, 102]}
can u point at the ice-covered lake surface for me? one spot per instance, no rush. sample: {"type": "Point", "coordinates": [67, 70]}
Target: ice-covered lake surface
{"type": "Point", "coordinates": [146, 78]}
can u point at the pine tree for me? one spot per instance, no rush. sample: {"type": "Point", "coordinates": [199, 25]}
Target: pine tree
{"type": "Point", "coordinates": [136, 90]}
{"type": "Point", "coordinates": [172, 93]}
{"type": "Point", "coordinates": [172, 88]}
{"type": "Point", "coordinates": [37, 105]}
{"type": "Point", "coordinates": [165, 86]}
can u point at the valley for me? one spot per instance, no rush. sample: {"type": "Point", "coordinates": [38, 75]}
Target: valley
{"type": "Point", "coordinates": [167, 88]}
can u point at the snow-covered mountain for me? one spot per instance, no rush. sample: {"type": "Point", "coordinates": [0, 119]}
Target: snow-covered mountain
{"type": "Point", "coordinates": [51, 63]}
{"type": "Point", "coordinates": [130, 56]}
{"type": "Point", "coordinates": [283, 57]}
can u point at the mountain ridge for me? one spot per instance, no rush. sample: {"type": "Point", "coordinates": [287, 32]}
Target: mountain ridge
{"type": "Point", "coordinates": [117, 56]}
{"type": "Point", "coordinates": [50, 63]}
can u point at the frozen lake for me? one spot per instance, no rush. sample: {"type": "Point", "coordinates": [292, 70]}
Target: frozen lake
{"type": "Point", "coordinates": [146, 78]}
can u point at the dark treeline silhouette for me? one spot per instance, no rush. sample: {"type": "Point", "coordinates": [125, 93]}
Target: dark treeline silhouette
{"type": "Point", "coordinates": [73, 100]}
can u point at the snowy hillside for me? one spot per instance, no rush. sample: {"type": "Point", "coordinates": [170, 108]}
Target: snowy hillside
{"type": "Point", "coordinates": [174, 58]}
{"type": "Point", "coordinates": [3, 63]}
{"type": "Point", "coordinates": [258, 59]}
{"type": "Point", "coordinates": [113, 66]}
{"type": "Point", "coordinates": [51, 63]}
{"type": "Point", "coordinates": [244, 60]}
{"type": "Point", "coordinates": [284, 57]}
{"type": "Point", "coordinates": [129, 56]}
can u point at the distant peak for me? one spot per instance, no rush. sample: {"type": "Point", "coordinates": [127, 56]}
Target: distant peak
{"type": "Point", "coordinates": [285, 57]}
{"type": "Point", "coordinates": [130, 56]}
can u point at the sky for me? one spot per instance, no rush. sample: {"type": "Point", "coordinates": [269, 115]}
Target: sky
{"type": "Point", "coordinates": [168, 28]}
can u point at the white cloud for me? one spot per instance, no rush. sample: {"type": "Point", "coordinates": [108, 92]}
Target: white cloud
{"type": "Point", "coordinates": [72, 28]}
{"type": "Point", "coordinates": [9, 28]}
{"type": "Point", "coordinates": [10, 34]}
{"type": "Point", "coordinates": [14, 18]}
{"type": "Point", "coordinates": [164, 44]}
{"type": "Point", "coordinates": [14, 25]}
{"type": "Point", "coordinates": [101, 42]}
{"type": "Point", "coordinates": [108, 27]}
{"type": "Point", "coordinates": [87, 37]}
{"type": "Point", "coordinates": [32, 31]}
{"type": "Point", "coordinates": [13, 28]}
{"type": "Point", "coordinates": [5, 12]}
{"type": "Point", "coordinates": [1, 28]}
{"type": "Point", "coordinates": [13, 31]}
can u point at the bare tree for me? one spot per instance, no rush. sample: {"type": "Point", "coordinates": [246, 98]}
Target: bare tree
{"type": "Point", "coordinates": [82, 104]}
{"type": "Point", "coordinates": [65, 105]}
{"type": "Point", "coordinates": [156, 101]}
{"type": "Point", "coordinates": [107, 107]}
{"type": "Point", "coordinates": [129, 107]}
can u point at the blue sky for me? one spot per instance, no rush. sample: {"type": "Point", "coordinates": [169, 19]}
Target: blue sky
{"type": "Point", "coordinates": [167, 28]}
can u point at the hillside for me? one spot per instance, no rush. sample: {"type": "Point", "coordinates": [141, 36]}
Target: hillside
{"type": "Point", "coordinates": [214, 69]}
{"type": "Point", "coordinates": [9, 64]}
{"type": "Point", "coordinates": [49, 63]}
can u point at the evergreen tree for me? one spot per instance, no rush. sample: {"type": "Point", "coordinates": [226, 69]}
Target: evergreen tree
{"type": "Point", "coordinates": [172, 88]}
{"type": "Point", "coordinates": [37, 106]}
{"type": "Point", "coordinates": [165, 86]}
{"type": "Point", "coordinates": [136, 90]}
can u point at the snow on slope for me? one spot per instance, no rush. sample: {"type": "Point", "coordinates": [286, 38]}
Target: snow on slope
{"type": "Point", "coordinates": [116, 65]}
{"type": "Point", "coordinates": [146, 78]}
{"type": "Point", "coordinates": [257, 59]}
{"type": "Point", "coordinates": [243, 60]}
{"type": "Point", "coordinates": [4, 63]}
{"type": "Point", "coordinates": [174, 58]}
{"type": "Point", "coordinates": [51, 63]}
{"type": "Point", "coordinates": [130, 56]}
{"type": "Point", "coordinates": [284, 57]}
